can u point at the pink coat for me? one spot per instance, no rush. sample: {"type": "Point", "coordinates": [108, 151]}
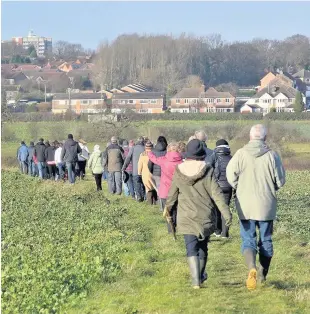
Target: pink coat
{"type": "Point", "coordinates": [167, 164]}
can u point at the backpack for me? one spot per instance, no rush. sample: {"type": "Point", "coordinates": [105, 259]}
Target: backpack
{"type": "Point", "coordinates": [220, 170]}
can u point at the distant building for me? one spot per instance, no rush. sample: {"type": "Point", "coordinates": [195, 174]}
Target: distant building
{"type": "Point", "coordinates": [42, 45]}
{"type": "Point", "coordinates": [140, 102]}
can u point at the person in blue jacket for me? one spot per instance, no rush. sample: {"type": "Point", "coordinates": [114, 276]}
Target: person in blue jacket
{"type": "Point", "coordinates": [22, 157]}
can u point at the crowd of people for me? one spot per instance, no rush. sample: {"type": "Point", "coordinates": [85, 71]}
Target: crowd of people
{"type": "Point", "coordinates": [192, 185]}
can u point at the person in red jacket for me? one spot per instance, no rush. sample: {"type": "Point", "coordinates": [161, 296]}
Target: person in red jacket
{"type": "Point", "coordinates": [167, 164]}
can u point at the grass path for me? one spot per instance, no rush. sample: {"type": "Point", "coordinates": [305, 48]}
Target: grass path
{"type": "Point", "coordinates": [156, 276]}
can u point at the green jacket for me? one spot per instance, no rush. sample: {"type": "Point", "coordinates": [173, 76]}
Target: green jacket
{"type": "Point", "coordinates": [95, 163]}
{"type": "Point", "coordinates": [256, 172]}
{"type": "Point", "coordinates": [196, 190]}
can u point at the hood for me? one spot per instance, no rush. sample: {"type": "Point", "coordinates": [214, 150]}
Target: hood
{"type": "Point", "coordinates": [71, 142]}
{"type": "Point", "coordinates": [97, 153]}
{"type": "Point", "coordinates": [40, 143]}
{"type": "Point", "coordinates": [174, 156]}
{"type": "Point", "coordinates": [190, 171]}
{"type": "Point", "coordinates": [256, 148]}
{"type": "Point", "coordinates": [222, 150]}
{"type": "Point", "coordinates": [160, 147]}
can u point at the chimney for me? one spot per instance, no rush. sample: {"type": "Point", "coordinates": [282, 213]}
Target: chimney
{"type": "Point", "coordinates": [202, 88]}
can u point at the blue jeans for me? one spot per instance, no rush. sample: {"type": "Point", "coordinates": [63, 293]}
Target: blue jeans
{"type": "Point", "coordinates": [31, 168]}
{"type": "Point", "coordinates": [194, 247]}
{"type": "Point", "coordinates": [249, 236]}
{"type": "Point", "coordinates": [61, 170]}
{"type": "Point", "coordinates": [128, 187]}
{"type": "Point", "coordinates": [41, 169]}
{"type": "Point", "coordinates": [105, 175]}
{"type": "Point", "coordinates": [71, 171]}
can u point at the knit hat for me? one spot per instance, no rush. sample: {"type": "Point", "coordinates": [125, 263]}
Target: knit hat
{"type": "Point", "coordinates": [195, 150]}
{"type": "Point", "coordinates": [31, 143]}
{"type": "Point", "coordinates": [222, 142]}
{"type": "Point", "coordinates": [125, 143]}
{"type": "Point", "coordinates": [148, 145]}
{"type": "Point", "coordinates": [114, 140]}
{"type": "Point", "coordinates": [96, 148]}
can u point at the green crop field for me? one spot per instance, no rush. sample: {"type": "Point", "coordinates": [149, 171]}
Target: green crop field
{"type": "Point", "coordinates": [69, 249]}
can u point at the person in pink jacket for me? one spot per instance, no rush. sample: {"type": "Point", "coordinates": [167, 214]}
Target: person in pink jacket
{"type": "Point", "coordinates": [167, 164]}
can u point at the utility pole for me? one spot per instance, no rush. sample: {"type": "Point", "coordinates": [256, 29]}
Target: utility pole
{"type": "Point", "coordinates": [45, 92]}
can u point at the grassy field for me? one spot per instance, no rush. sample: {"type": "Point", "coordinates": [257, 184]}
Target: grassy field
{"type": "Point", "coordinates": [71, 250]}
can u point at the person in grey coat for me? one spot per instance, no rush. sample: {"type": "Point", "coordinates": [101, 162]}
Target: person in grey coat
{"type": "Point", "coordinates": [31, 165]}
{"type": "Point", "coordinates": [133, 156]}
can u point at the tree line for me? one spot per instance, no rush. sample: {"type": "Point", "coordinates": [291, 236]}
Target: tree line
{"type": "Point", "coordinates": [170, 63]}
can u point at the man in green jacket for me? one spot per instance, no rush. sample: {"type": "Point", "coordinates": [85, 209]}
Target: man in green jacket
{"type": "Point", "coordinates": [194, 189]}
{"type": "Point", "coordinates": [256, 172]}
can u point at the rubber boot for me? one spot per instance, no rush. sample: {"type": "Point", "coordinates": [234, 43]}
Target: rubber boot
{"type": "Point", "coordinates": [264, 267]}
{"type": "Point", "coordinates": [203, 274]}
{"type": "Point", "coordinates": [193, 263]}
{"type": "Point", "coordinates": [250, 260]}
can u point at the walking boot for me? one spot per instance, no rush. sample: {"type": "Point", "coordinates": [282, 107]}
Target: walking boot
{"type": "Point", "coordinates": [193, 263]}
{"type": "Point", "coordinates": [264, 267]}
{"type": "Point", "coordinates": [203, 273]}
{"type": "Point", "coordinates": [250, 260]}
{"type": "Point", "coordinates": [149, 198]}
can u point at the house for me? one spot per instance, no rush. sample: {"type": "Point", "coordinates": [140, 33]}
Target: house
{"type": "Point", "coordinates": [11, 91]}
{"type": "Point", "coordinates": [267, 79]}
{"type": "Point", "coordinates": [116, 90]}
{"type": "Point", "coordinates": [18, 77]}
{"type": "Point", "coordinates": [26, 67]}
{"type": "Point", "coordinates": [133, 88]}
{"type": "Point", "coordinates": [199, 100]}
{"type": "Point", "coordinates": [304, 76]}
{"type": "Point", "coordinates": [79, 103]}
{"type": "Point", "coordinates": [141, 102]}
{"type": "Point", "coordinates": [276, 95]}
{"type": "Point", "coordinates": [69, 66]}
{"type": "Point", "coordinates": [186, 98]}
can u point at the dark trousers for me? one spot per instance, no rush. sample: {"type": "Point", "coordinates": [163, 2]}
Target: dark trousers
{"type": "Point", "coordinates": [115, 182]}
{"type": "Point", "coordinates": [81, 169]}
{"type": "Point", "coordinates": [51, 171]}
{"type": "Point", "coordinates": [249, 236]}
{"type": "Point", "coordinates": [32, 168]}
{"type": "Point", "coordinates": [98, 179]}
{"type": "Point", "coordinates": [23, 165]}
{"type": "Point", "coordinates": [139, 187]}
{"type": "Point", "coordinates": [221, 227]}
{"type": "Point", "coordinates": [173, 213]}
{"type": "Point", "coordinates": [194, 247]}
{"type": "Point", "coordinates": [129, 186]}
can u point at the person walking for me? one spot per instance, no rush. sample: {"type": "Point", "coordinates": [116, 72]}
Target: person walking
{"type": "Point", "coordinates": [159, 150]}
{"type": "Point", "coordinates": [144, 172]}
{"type": "Point", "coordinates": [50, 161]}
{"type": "Point", "coordinates": [202, 136]}
{"type": "Point", "coordinates": [195, 190]}
{"type": "Point", "coordinates": [82, 159]}
{"type": "Point", "coordinates": [95, 164]}
{"type": "Point", "coordinates": [22, 157]}
{"type": "Point", "coordinates": [219, 161]}
{"type": "Point", "coordinates": [31, 163]}
{"type": "Point", "coordinates": [256, 173]}
{"type": "Point", "coordinates": [133, 156]}
{"type": "Point", "coordinates": [128, 186]}
{"type": "Point", "coordinates": [59, 163]}
{"type": "Point", "coordinates": [105, 174]}
{"type": "Point", "coordinates": [69, 155]}
{"type": "Point", "coordinates": [167, 164]}
{"type": "Point", "coordinates": [114, 161]}
{"type": "Point", "coordinates": [39, 155]}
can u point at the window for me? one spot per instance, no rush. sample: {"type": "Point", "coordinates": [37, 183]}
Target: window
{"type": "Point", "coordinates": [177, 101]}
{"type": "Point", "coordinates": [290, 100]}
{"type": "Point", "coordinates": [154, 101]}
{"type": "Point", "coordinates": [130, 101]}
{"type": "Point", "coordinates": [84, 102]}
{"type": "Point", "coordinates": [144, 101]}
{"type": "Point", "coordinates": [186, 100]}
{"type": "Point", "coordinates": [281, 100]}
{"type": "Point", "coordinates": [210, 101]}
{"type": "Point", "coordinates": [227, 100]}
{"type": "Point", "coordinates": [256, 101]}
{"type": "Point", "coordinates": [218, 100]}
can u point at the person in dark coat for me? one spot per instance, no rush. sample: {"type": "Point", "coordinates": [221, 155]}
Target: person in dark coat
{"type": "Point", "coordinates": [159, 150]}
{"type": "Point", "coordinates": [31, 165]}
{"type": "Point", "coordinates": [50, 161]}
{"type": "Point", "coordinates": [39, 153]}
{"type": "Point", "coordinates": [128, 186]}
{"type": "Point", "coordinates": [195, 190]}
{"type": "Point", "coordinates": [22, 157]}
{"type": "Point", "coordinates": [219, 161]}
{"type": "Point", "coordinates": [133, 156]}
{"type": "Point", "coordinates": [114, 160]}
{"type": "Point", "coordinates": [69, 155]}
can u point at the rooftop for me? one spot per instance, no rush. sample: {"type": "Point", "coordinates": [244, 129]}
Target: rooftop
{"type": "Point", "coordinates": [64, 96]}
{"type": "Point", "coordinates": [142, 95]}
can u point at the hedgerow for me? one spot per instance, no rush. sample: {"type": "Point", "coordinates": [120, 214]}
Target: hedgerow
{"type": "Point", "coordinates": [56, 244]}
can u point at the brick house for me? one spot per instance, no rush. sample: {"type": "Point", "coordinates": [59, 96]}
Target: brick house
{"type": "Point", "coordinates": [199, 100]}
{"type": "Point", "coordinates": [142, 102]}
{"type": "Point", "coordinates": [80, 103]}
